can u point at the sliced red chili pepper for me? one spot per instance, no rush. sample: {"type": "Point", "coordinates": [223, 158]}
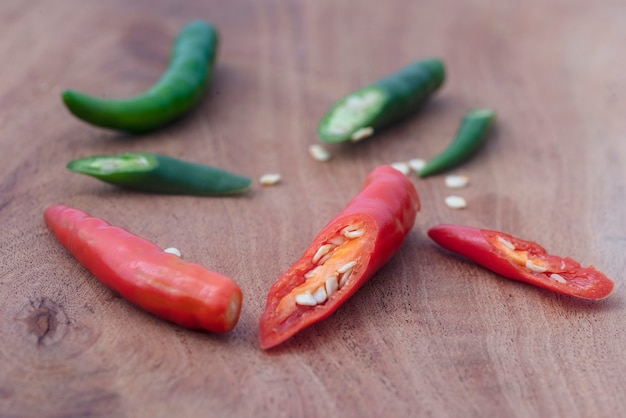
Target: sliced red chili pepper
{"type": "Point", "coordinates": [345, 254]}
{"type": "Point", "coordinates": [184, 293]}
{"type": "Point", "coordinates": [522, 260]}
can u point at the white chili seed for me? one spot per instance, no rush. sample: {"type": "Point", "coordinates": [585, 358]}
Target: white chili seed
{"type": "Point", "coordinates": [456, 181]}
{"type": "Point", "coordinates": [558, 278]}
{"type": "Point", "coordinates": [311, 273]}
{"type": "Point", "coordinates": [362, 133]}
{"type": "Point", "coordinates": [352, 232]}
{"type": "Point", "coordinates": [269, 179]}
{"type": "Point", "coordinates": [346, 267]}
{"type": "Point", "coordinates": [322, 251]}
{"type": "Point", "coordinates": [319, 153]}
{"type": "Point", "coordinates": [320, 295]}
{"type": "Point", "coordinates": [332, 284]}
{"type": "Point", "coordinates": [417, 164]}
{"type": "Point", "coordinates": [401, 167]}
{"type": "Point", "coordinates": [172, 250]}
{"type": "Point", "coordinates": [337, 240]}
{"type": "Point", "coordinates": [508, 244]}
{"type": "Point", "coordinates": [344, 278]}
{"type": "Point", "coordinates": [533, 267]}
{"type": "Point", "coordinates": [306, 299]}
{"type": "Point", "coordinates": [455, 202]}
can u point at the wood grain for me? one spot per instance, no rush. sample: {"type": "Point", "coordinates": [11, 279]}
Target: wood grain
{"type": "Point", "coordinates": [431, 334]}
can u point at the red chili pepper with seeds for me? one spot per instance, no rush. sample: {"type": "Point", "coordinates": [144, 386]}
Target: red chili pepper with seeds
{"type": "Point", "coordinates": [353, 246]}
{"type": "Point", "coordinates": [526, 261]}
{"type": "Point", "coordinates": [184, 293]}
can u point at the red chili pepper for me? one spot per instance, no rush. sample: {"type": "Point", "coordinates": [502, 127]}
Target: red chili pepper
{"type": "Point", "coordinates": [344, 255]}
{"type": "Point", "coordinates": [522, 260]}
{"type": "Point", "coordinates": [161, 283]}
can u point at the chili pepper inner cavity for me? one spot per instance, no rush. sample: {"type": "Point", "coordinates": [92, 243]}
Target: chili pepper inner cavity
{"type": "Point", "coordinates": [330, 270]}
{"type": "Point", "coordinates": [536, 265]}
{"type": "Point", "coordinates": [115, 163]}
{"type": "Point", "coordinates": [356, 110]}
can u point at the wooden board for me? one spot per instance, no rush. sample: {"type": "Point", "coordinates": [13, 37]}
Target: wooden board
{"type": "Point", "coordinates": [431, 334]}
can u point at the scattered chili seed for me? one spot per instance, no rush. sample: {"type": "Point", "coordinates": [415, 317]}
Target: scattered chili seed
{"type": "Point", "coordinates": [401, 167]}
{"type": "Point", "coordinates": [319, 153]}
{"type": "Point", "coordinates": [172, 250]}
{"type": "Point", "coordinates": [417, 164]}
{"type": "Point", "coordinates": [456, 181]}
{"type": "Point", "coordinates": [269, 179]}
{"type": "Point", "coordinates": [455, 202]}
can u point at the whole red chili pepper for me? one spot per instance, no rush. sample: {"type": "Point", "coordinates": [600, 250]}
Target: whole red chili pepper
{"type": "Point", "coordinates": [161, 283]}
{"type": "Point", "coordinates": [344, 255]}
{"type": "Point", "coordinates": [522, 260]}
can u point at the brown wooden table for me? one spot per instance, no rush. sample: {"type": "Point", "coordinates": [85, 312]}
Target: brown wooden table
{"type": "Point", "coordinates": [431, 334]}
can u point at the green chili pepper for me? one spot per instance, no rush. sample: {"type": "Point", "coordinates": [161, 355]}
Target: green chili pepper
{"type": "Point", "coordinates": [180, 88]}
{"type": "Point", "coordinates": [157, 173]}
{"type": "Point", "coordinates": [469, 138]}
{"type": "Point", "coordinates": [359, 114]}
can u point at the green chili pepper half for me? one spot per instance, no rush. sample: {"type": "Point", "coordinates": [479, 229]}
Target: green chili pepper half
{"type": "Point", "coordinates": [359, 114]}
{"type": "Point", "coordinates": [469, 138]}
{"type": "Point", "coordinates": [157, 173]}
{"type": "Point", "coordinates": [179, 89]}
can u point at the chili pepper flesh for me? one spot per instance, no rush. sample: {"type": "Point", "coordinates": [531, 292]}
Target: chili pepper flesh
{"type": "Point", "coordinates": [523, 260]}
{"type": "Point", "coordinates": [156, 173]}
{"type": "Point", "coordinates": [346, 253]}
{"type": "Point", "coordinates": [163, 284]}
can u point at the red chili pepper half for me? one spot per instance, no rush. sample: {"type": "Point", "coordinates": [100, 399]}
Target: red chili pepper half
{"type": "Point", "coordinates": [522, 260]}
{"type": "Point", "coordinates": [344, 255]}
{"type": "Point", "coordinates": [161, 283]}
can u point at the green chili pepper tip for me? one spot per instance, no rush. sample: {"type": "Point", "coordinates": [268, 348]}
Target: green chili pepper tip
{"type": "Point", "coordinates": [469, 138]}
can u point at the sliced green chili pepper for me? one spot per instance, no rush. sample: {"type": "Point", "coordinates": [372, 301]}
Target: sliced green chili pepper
{"type": "Point", "coordinates": [469, 138]}
{"type": "Point", "coordinates": [359, 114]}
{"type": "Point", "coordinates": [180, 88]}
{"type": "Point", "coordinates": [157, 173]}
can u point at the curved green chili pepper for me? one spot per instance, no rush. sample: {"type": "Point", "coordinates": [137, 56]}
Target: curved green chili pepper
{"type": "Point", "coordinates": [157, 173]}
{"type": "Point", "coordinates": [180, 88]}
{"type": "Point", "coordinates": [469, 138]}
{"type": "Point", "coordinates": [359, 114]}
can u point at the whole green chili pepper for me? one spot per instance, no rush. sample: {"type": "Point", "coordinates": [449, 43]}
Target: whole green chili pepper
{"type": "Point", "coordinates": [157, 173]}
{"type": "Point", "coordinates": [469, 138]}
{"type": "Point", "coordinates": [179, 89]}
{"type": "Point", "coordinates": [359, 114]}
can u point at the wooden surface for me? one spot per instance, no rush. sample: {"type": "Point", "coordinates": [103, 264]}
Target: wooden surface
{"type": "Point", "coordinates": [431, 334]}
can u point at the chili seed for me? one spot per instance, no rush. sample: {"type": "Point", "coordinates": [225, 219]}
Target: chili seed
{"type": "Point", "coordinates": [533, 267]}
{"type": "Point", "coordinates": [417, 164]}
{"type": "Point", "coordinates": [456, 181]}
{"type": "Point", "coordinates": [311, 273]}
{"type": "Point", "coordinates": [172, 250]}
{"type": "Point", "coordinates": [558, 278]}
{"type": "Point", "coordinates": [332, 284]}
{"type": "Point", "coordinates": [306, 299]}
{"type": "Point", "coordinates": [319, 153]}
{"type": "Point", "coordinates": [269, 179]}
{"type": "Point", "coordinates": [455, 202]}
{"type": "Point", "coordinates": [508, 244]}
{"type": "Point", "coordinates": [346, 267]}
{"type": "Point", "coordinates": [350, 232]}
{"type": "Point", "coordinates": [344, 278]}
{"type": "Point", "coordinates": [402, 167]}
{"type": "Point", "coordinates": [320, 295]}
{"type": "Point", "coordinates": [362, 133]}
{"type": "Point", "coordinates": [322, 251]}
